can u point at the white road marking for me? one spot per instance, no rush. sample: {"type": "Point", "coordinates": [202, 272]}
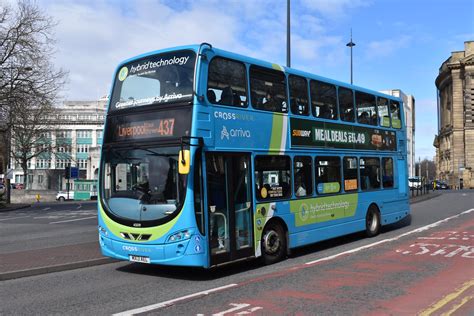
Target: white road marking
{"type": "Point", "coordinates": [179, 299]}
{"type": "Point", "coordinates": [173, 301]}
{"type": "Point", "coordinates": [235, 308]}
{"type": "Point", "coordinates": [46, 208]}
{"type": "Point", "coordinates": [80, 205]}
{"type": "Point", "coordinates": [6, 219]}
{"type": "Point", "coordinates": [418, 230]}
{"type": "Point", "coordinates": [73, 220]}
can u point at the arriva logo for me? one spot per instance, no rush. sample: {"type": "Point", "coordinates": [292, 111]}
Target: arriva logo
{"type": "Point", "coordinates": [224, 133]}
{"type": "Point", "coordinates": [235, 133]}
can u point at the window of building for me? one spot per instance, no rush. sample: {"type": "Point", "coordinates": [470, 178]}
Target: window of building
{"type": "Point", "coordinates": [40, 178]}
{"type": "Point", "coordinates": [395, 114]}
{"type": "Point", "coordinates": [83, 133]}
{"type": "Point", "coordinates": [43, 163]}
{"type": "Point", "coordinates": [366, 108]}
{"type": "Point", "coordinates": [387, 172]}
{"type": "Point", "coordinates": [268, 89]}
{"type": "Point", "coordinates": [303, 176]}
{"type": "Point", "coordinates": [227, 82]}
{"type": "Point", "coordinates": [272, 177]}
{"type": "Point", "coordinates": [82, 163]}
{"type": "Point", "coordinates": [83, 148]}
{"type": "Point", "coordinates": [346, 104]}
{"type": "Point", "coordinates": [350, 174]}
{"type": "Point", "coordinates": [63, 134]}
{"type": "Point", "coordinates": [299, 95]}
{"type": "Point", "coordinates": [384, 115]}
{"type": "Point", "coordinates": [323, 100]}
{"type": "Point", "coordinates": [30, 178]}
{"type": "Point", "coordinates": [328, 175]}
{"type": "Point", "coordinates": [369, 173]}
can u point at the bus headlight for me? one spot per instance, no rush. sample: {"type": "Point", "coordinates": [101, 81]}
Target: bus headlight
{"type": "Point", "coordinates": [103, 231]}
{"type": "Point", "coordinates": [179, 236]}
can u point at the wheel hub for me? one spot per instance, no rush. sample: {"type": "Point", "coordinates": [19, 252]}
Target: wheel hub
{"type": "Point", "coordinates": [271, 242]}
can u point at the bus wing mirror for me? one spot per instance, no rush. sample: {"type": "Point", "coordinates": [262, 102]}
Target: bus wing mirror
{"type": "Point", "coordinates": [184, 161]}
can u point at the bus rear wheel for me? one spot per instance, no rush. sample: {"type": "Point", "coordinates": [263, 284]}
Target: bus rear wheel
{"type": "Point", "coordinates": [372, 221]}
{"type": "Point", "coordinates": [273, 243]}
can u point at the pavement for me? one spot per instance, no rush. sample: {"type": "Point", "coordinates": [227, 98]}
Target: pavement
{"type": "Point", "coordinates": [12, 207]}
{"type": "Point", "coordinates": [40, 261]}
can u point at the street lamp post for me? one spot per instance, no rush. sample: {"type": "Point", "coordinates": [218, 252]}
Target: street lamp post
{"type": "Point", "coordinates": [288, 37]}
{"type": "Point", "coordinates": [350, 45]}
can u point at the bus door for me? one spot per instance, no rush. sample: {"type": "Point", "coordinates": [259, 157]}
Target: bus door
{"type": "Point", "coordinates": [229, 206]}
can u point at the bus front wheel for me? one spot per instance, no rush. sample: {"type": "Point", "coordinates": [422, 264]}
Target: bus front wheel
{"type": "Point", "coordinates": [273, 243]}
{"type": "Point", "coordinates": [372, 221]}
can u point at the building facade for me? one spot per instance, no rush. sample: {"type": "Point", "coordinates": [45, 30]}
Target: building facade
{"type": "Point", "coordinates": [409, 111]}
{"type": "Point", "coordinates": [455, 140]}
{"type": "Point", "coordinates": [76, 141]}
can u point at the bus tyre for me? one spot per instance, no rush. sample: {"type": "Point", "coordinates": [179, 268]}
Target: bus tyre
{"type": "Point", "coordinates": [61, 199]}
{"type": "Point", "coordinates": [372, 221]}
{"type": "Point", "coordinates": [273, 243]}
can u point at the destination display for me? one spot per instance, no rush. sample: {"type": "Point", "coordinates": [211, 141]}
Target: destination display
{"type": "Point", "coordinates": [166, 124]}
{"type": "Point", "coordinates": [333, 135]}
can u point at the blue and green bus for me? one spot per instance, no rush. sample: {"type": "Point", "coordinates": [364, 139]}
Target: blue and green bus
{"type": "Point", "coordinates": [211, 157]}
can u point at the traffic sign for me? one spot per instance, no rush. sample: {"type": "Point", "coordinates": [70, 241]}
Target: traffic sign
{"type": "Point", "coordinates": [74, 172]}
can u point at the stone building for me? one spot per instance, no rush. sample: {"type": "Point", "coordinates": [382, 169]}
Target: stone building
{"type": "Point", "coordinates": [409, 111]}
{"type": "Point", "coordinates": [76, 141]}
{"type": "Point", "coordinates": [455, 140]}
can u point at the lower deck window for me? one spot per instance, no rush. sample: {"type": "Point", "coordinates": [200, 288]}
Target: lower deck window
{"type": "Point", "coordinates": [328, 175]}
{"type": "Point", "coordinates": [369, 173]}
{"type": "Point", "coordinates": [272, 177]}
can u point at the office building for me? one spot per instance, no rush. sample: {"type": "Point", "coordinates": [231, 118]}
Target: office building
{"type": "Point", "coordinates": [76, 141]}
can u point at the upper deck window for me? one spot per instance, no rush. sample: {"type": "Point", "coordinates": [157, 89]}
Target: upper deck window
{"type": "Point", "coordinates": [395, 113]}
{"type": "Point", "coordinates": [299, 95]}
{"type": "Point", "coordinates": [268, 89]}
{"type": "Point", "coordinates": [157, 79]}
{"type": "Point", "coordinates": [346, 104]}
{"type": "Point", "coordinates": [382, 105]}
{"type": "Point", "coordinates": [227, 83]}
{"type": "Point", "coordinates": [323, 100]}
{"type": "Point", "coordinates": [366, 109]}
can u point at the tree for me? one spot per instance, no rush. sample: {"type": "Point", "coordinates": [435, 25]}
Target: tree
{"type": "Point", "coordinates": [428, 169]}
{"type": "Point", "coordinates": [29, 84]}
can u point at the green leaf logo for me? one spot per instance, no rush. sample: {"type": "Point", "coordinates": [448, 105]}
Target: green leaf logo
{"type": "Point", "coordinates": [123, 73]}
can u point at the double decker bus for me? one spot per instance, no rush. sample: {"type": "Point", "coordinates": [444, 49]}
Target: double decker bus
{"type": "Point", "coordinates": [211, 157]}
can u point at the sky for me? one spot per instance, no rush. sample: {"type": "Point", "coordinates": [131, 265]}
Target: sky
{"type": "Point", "coordinates": [399, 44]}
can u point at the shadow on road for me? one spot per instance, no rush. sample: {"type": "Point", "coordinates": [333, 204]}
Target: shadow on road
{"type": "Point", "coordinates": [199, 274]}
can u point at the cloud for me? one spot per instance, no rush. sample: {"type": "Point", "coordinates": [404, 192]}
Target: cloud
{"type": "Point", "coordinates": [387, 47]}
{"type": "Point", "coordinates": [94, 36]}
{"type": "Point", "coordinates": [335, 8]}
{"type": "Point", "coordinates": [93, 39]}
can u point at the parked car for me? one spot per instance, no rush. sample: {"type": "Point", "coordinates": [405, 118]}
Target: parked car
{"type": "Point", "coordinates": [2, 189]}
{"type": "Point", "coordinates": [440, 185]}
{"type": "Point", "coordinates": [19, 186]}
{"type": "Point", "coordinates": [414, 183]}
{"type": "Point", "coordinates": [63, 196]}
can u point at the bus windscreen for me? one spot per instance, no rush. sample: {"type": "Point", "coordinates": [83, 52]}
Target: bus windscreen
{"type": "Point", "coordinates": [156, 79]}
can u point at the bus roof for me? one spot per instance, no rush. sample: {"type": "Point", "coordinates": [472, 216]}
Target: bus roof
{"type": "Point", "coordinates": [259, 62]}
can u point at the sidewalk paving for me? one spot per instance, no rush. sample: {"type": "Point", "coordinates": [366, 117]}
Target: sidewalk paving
{"type": "Point", "coordinates": [13, 207]}
{"type": "Point", "coordinates": [55, 259]}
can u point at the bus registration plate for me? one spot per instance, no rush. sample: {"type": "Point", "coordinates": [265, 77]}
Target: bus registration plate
{"type": "Point", "coordinates": [139, 259]}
